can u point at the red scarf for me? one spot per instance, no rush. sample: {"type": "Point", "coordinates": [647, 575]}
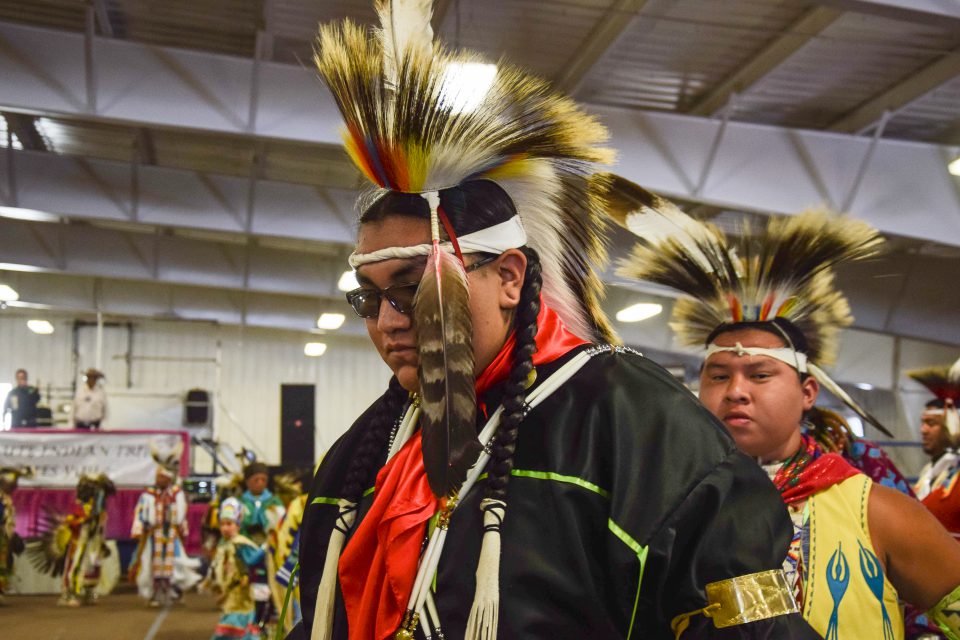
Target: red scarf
{"type": "Point", "coordinates": [810, 471]}
{"type": "Point", "coordinates": [379, 565]}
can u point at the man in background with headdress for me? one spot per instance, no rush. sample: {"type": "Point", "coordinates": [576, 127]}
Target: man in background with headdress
{"type": "Point", "coordinates": [767, 310]}
{"type": "Point", "coordinates": [161, 568]}
{"type": "Point", "coordinates": [521, 477]}
{"type": "Point", "coordinates": [10, 542]}
{"type": "Point", "coordinates": [89, 407]}
{"type": "Point", "coordinates": [939, 432]}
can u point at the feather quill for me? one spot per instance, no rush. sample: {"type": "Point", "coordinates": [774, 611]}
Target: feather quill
{"type": "Point", "coordinates": [448, 399]}
{"type": "Point", "coordinates": [405, 25]}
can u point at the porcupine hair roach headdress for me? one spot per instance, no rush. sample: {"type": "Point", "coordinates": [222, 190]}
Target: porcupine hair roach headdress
{"type": "Point", "coordinates": [781, 276]}
{"type": "Point", "coordinates": [944, 383]}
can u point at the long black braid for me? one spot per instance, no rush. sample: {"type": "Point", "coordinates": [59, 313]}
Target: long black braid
{"type": "Point", "coordinates": [525, 325]}
{"type": "Point", "coordinates": [373, 444]}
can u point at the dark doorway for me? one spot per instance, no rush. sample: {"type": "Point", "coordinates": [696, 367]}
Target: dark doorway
{"type": "Point", "coordinates": [297, 425]}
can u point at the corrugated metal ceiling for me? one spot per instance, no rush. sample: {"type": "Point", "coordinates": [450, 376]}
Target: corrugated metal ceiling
{"type": "Point", "coordinates": [670, 55]}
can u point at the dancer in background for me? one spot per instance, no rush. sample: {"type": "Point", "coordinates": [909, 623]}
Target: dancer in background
{"type": "Point", "coordinates": [10, 543]}
{"type": "Point", "coordinates": [161, 568]}
{"type": "Point", "coordinates": [229, 577]}
{"type": "Point", "coordinates": [940, 431]}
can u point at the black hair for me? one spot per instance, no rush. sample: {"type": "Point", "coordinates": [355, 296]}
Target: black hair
{"type": "Point", "coordinates": [936, 403]}
{"type": "Point", "coordinates": [373, 443]}
{"type": "Point", "coordinates": [780, 327]}
{"type": "Point", "coordinates": [254, 468]}
{"type": "Point", "coordinates": [525, 325]}
{"type": "Point", "coordinates": [470, 207]}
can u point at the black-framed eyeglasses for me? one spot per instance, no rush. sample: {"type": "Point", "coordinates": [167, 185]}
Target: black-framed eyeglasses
{"type": "Point", "coordinates": [366, 301]}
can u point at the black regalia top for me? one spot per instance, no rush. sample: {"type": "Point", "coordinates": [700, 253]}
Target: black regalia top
{"type": "Point", "coordinates": [627, 498]}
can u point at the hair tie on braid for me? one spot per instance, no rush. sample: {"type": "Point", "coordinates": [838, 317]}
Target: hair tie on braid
{"type": "Point", "coordinates": [372, 447]}
{"type": "Point", "coordinates": [482, 623]}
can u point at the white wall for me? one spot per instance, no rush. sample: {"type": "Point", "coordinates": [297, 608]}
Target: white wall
{"type": "Point", "coordinates": [170, 357]}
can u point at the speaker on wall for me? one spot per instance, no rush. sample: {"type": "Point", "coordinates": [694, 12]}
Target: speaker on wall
{"type": "Point", "coordinates": [196, 408]}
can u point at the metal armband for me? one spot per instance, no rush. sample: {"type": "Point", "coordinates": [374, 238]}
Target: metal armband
{"type": "Point", "coordinates": [748, 598]}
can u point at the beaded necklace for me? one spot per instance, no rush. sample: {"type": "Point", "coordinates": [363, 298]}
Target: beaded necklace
{"type": "Point", "coordinates": [788, 476]}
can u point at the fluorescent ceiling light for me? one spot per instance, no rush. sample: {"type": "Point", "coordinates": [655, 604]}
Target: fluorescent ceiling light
{"type": "Point", "coordinates": [8, 293]}
{"type": "Point", "coordinates": [348, 281]}
{"type": "Point", "coordinates": [42, 327]}
{"type": "Point", "coordinates": [33, 215]}
{"type": "Point", "coordinates": [27, 268]}
{"type": "Point", "coordinates": [330, 320]}
{"type": "Point", "coordinates": [954, 167]}
{"type": "Point", "coordinates": [314, 349]}
{"type": "Point", "coordinates": [465, 84]}
{"type": "Point", "coordinates": [866, 386]}
{"type": "Point", "coordinates": [638, 312]}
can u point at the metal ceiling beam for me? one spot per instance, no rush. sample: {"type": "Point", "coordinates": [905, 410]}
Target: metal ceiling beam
{"type": "Point", "coordinates": [915, 86]}
{"type": "Point", "coordinates": [926, 11]}
{"type": "Point", "coordinates": [97, 251]}
{"type": "Point", "coordinates": [24, 127]}
{"type": "Point", "coordinates": [79, 294]}
{"type": "Point", "coordinates": [605, 33]}
{"type": "Point", "coordinates": [756, 168]}
{"type": "Point", "coordinates": [774, 53]}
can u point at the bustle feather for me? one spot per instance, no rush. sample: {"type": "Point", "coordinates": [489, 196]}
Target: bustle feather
{"type": "Point", "coordinates": [448, 400]}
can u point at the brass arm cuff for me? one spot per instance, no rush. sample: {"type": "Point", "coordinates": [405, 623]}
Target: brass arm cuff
{"type": "Point", "coordinates": [749, 598]}
{"type": "Point", "coordinates": [743, 599]}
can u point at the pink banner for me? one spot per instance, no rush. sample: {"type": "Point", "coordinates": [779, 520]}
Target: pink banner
{"type": "Point", "coordinates": [32, 504]}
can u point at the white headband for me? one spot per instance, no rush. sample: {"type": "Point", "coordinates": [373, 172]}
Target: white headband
{"type": "Point", "coordinates": [793, 358]}
{"type": "Point", "coordinates": [495, 239]}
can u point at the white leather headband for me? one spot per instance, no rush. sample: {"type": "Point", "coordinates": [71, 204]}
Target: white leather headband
{"type": "Point", "coordinates": [795, 359]}
{"type": "Point", "coordinates": [495, 239]}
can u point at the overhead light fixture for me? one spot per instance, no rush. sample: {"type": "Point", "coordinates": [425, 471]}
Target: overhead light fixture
{"type": "Point", "coordinates": [314, 349]}
{"type": "Point", "coordinates": [41, 327]}
{"type": "Point", "coordinates": [13, 266]}
{"type": "Point", "coordinates": [465, 84]}
{"type": "Point", "coordinates": [31, 215]}
{"type": "Point", "coordinates": [330, 320]}
{"type": "Point", "coordinates": [348, 281]}
{"type": "Point", "coordinates": [638, 312]}
{"type": "Point", "coordinates": [866, 386]}
{"type": "Point", "coordinates": [954, 167]}
{"type": "Point", "coordinates": [8, 293]}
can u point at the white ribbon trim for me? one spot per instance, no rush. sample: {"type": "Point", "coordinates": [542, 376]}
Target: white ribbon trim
{"type": "Point", "coordinates": [792, 358]}
{"type": "Point", "coordinates": [495, 240]}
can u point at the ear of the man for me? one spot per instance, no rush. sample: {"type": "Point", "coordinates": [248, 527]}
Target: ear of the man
{"type": "Point", "coordinates": [811, 389]}
{"type": "Point", "coordinates": [512, 266]}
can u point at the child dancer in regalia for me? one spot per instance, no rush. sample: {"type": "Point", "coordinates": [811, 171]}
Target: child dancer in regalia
{"type": "Point", "coordinates": [236, 558]}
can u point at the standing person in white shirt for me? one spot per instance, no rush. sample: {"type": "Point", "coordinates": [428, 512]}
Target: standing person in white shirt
{"type": "Point", "coordinates": [90, 402]}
